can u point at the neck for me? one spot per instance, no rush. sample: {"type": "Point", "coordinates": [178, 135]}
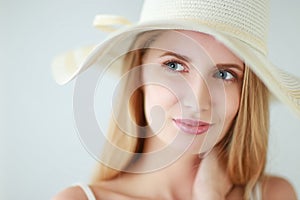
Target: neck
{"type": "Point", "coordinates": [167, 173]}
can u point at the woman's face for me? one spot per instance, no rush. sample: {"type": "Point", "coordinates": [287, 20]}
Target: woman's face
{"type": "Point", "coordinates": [192, 89]}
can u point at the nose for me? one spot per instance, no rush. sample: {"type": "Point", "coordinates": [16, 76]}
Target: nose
{"type": "Point", "coordinates": [198, 95]}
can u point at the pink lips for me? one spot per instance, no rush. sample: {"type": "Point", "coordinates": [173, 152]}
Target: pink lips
{"type": "Point", "coordinates": [192, 126]}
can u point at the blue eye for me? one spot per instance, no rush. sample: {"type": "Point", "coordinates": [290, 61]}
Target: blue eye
{"type": "Point", "coordinates": [175, 66]}
{"type": "Point", "coordinates": [223, 74]}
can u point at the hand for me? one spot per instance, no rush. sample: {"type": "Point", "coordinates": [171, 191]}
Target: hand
{"type": "Point", "coordinates": [211, 181]}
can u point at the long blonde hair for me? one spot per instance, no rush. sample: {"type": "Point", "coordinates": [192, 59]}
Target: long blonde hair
{"type": "Point", "coordinates": [243, 150]}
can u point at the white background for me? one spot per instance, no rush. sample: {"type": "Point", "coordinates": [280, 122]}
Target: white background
{"type": "Point", "coordinates": [40, 152]}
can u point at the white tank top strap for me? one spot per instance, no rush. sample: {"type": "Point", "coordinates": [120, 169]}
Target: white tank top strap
{"type": "Point", "coordinates": [257, 192]}
{"type": "Point", "coordinates": [87, 190]}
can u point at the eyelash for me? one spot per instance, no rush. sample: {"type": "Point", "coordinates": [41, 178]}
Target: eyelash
{"type": "Point", "coordinates": [186, 69]}
{"type": "Point", "coordinates": [166, 66]}
{"type": "Point", "coordinates": [233, 74]}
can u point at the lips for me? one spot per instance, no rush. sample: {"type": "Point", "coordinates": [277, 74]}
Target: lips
{"type": "Point", "coordinates": [193, 127]}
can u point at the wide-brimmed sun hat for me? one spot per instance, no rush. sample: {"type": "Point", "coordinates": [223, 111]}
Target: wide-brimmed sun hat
{"type": "Point", "coordinates": [241, 25]}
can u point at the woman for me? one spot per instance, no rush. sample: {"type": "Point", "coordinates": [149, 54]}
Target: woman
{"type": "Point", "coordinates": [198, 122]}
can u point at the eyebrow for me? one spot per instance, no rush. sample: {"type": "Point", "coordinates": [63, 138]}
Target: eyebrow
{"type": "Point", "coordinates": [181, 57]}
{"type": "Point", "coordinates": [230, 65]}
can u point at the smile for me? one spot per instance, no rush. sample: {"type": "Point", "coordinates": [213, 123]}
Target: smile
{"type": "Point", "coordinates": [192, 126]}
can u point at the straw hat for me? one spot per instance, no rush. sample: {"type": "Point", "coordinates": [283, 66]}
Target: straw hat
{"type": "Point", "coordinates": [241, 25]}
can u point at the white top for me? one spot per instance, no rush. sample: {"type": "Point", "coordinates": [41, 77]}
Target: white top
{"type": "Point", "coordinates": [256, 194]}
{"type": "Point", "coordinates": [87, 190]}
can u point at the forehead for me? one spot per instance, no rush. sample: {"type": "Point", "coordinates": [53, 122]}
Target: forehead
{"type": "Point", "coordinates": [194, 45]}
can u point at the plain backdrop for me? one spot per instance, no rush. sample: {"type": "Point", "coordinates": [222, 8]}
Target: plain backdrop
{"type": "Point", "coordinates": [39, 147]}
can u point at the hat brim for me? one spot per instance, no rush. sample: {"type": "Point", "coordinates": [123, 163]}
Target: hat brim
{"type": "Point", "coordinates": [282, 85]}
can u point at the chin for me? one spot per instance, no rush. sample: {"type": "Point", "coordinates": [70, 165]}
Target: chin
{"type": "Point", "coordinates": [186, 143]}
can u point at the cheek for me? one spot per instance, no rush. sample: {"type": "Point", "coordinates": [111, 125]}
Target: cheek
{"type": "Point", "coordinates": [157, 98]}
{"type": "Point", "coordinates": [232, 106]}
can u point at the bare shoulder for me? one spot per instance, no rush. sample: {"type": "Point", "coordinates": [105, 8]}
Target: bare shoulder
{"type": "Point", "coordinates": [71, 193]}
{"type": "Point", "coordinates": [277, 188]}
{"type": "Point", "coordinates": [101, 190]}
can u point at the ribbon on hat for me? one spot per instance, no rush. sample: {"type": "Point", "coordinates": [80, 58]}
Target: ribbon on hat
{"type": "Point", "coordinates": [109, 23]}
{"type": "Point", "coordinates": [66, 64]}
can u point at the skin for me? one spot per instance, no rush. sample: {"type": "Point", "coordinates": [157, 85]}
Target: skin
{"type": "Point", "coordinates": [192, 91]}
{"type": "Point", "coordinates": [195, 90]}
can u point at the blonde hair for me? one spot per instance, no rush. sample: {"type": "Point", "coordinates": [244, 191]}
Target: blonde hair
{"type": "Point", "coordinates": [243, 150]}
